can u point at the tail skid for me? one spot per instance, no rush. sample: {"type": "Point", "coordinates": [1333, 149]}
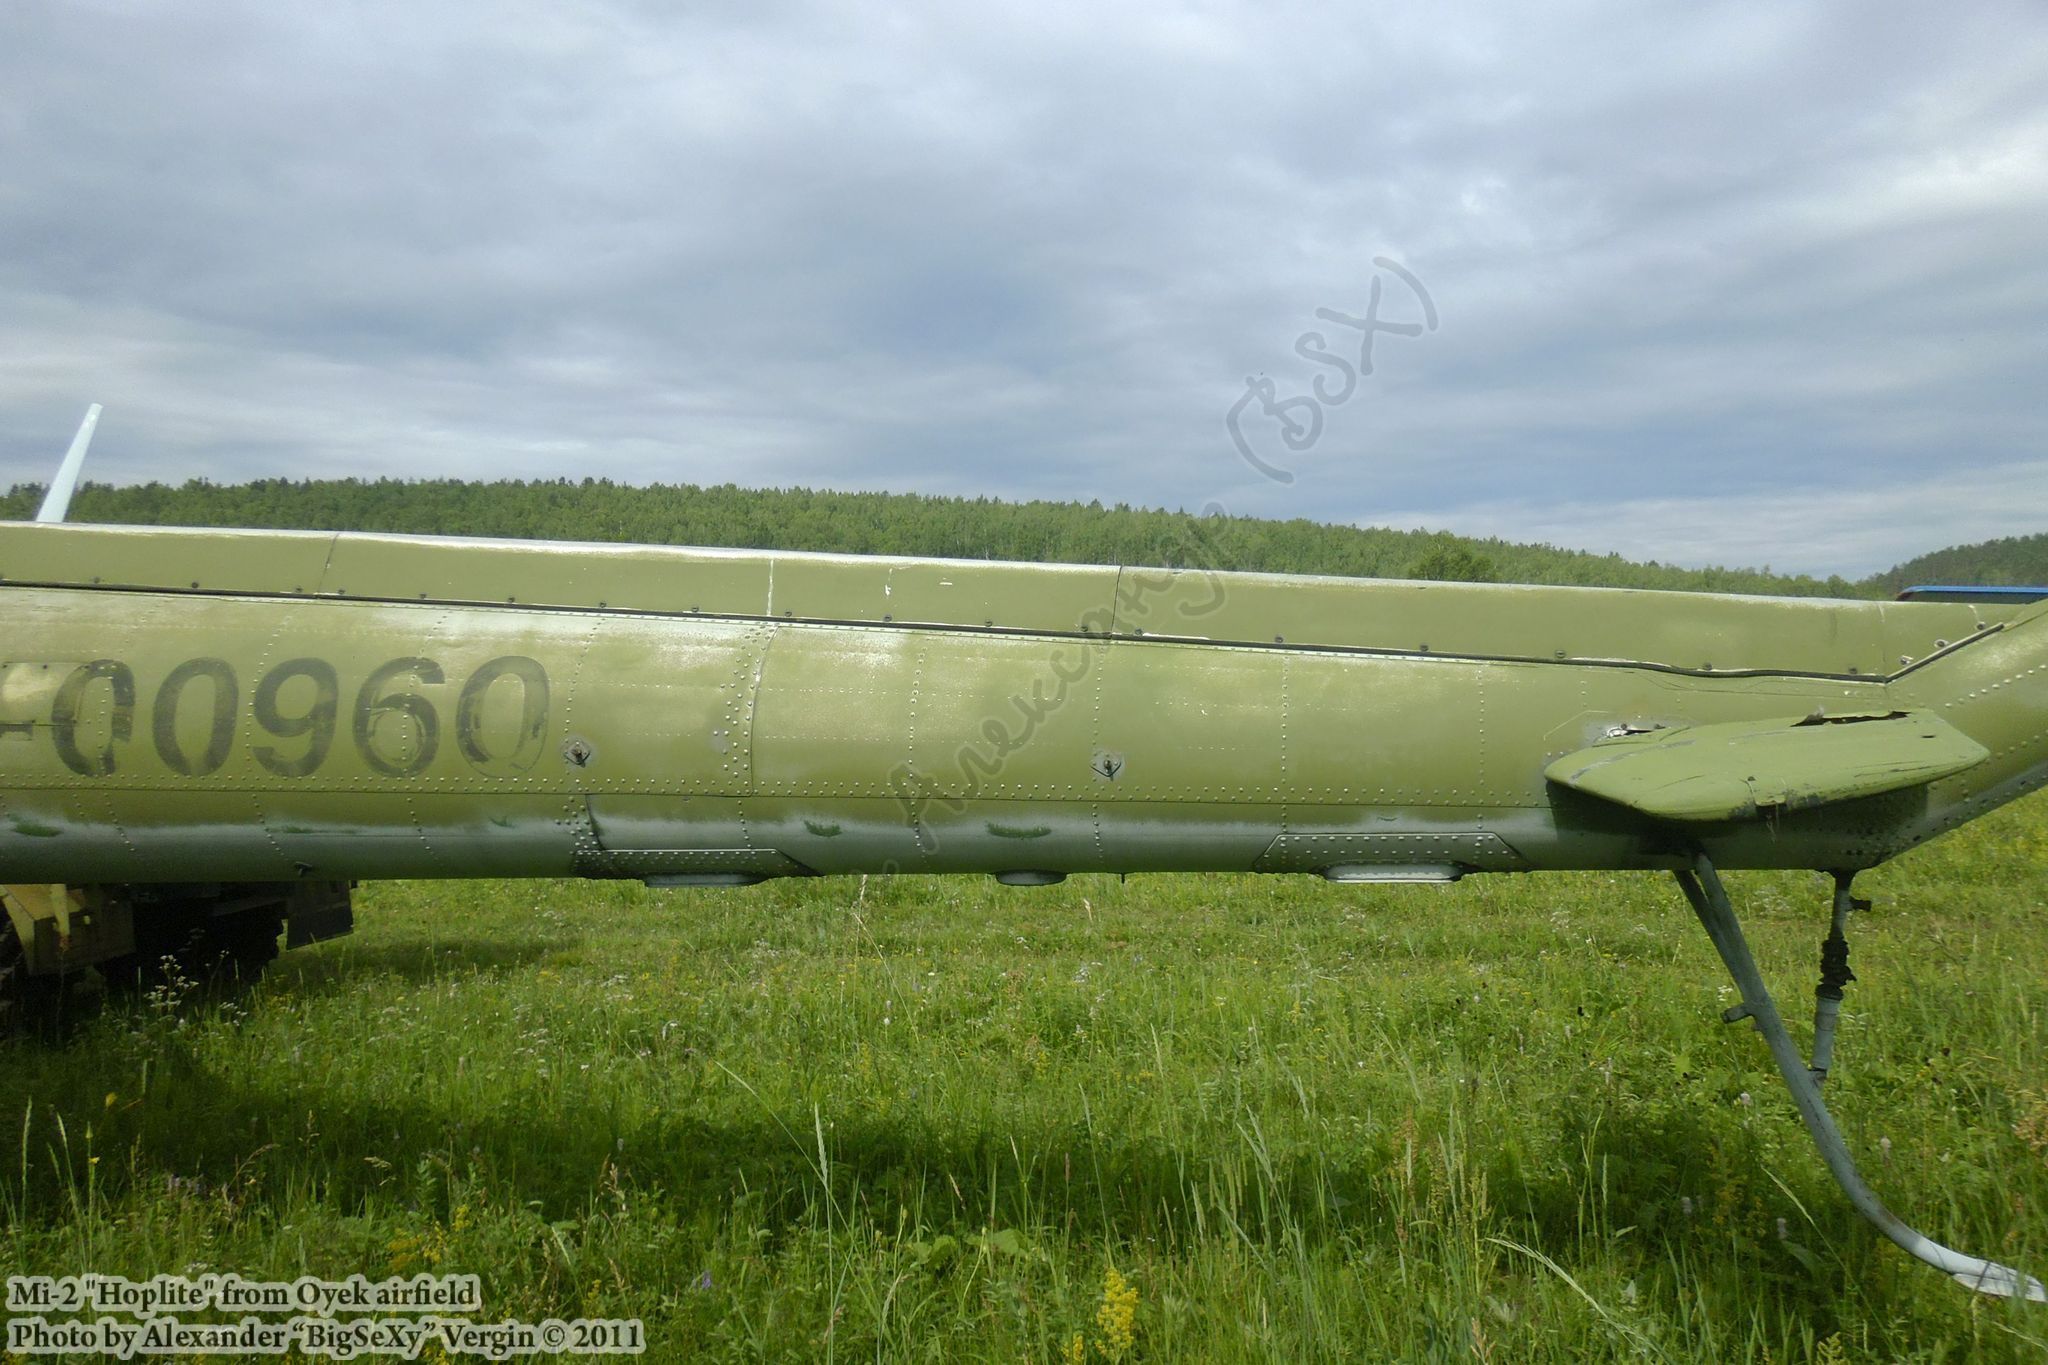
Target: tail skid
{"type": "Point", "coordinates": [1702, 886]}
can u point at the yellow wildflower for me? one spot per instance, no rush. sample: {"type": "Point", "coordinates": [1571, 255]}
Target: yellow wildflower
{"type": "Point", "coordinates": [1118, 1315]}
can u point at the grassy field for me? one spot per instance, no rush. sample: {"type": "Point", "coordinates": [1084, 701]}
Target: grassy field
{"type": "Point", "coordinates": [1174, 1118]}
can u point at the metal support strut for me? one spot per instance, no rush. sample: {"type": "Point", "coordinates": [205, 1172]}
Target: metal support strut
{"type": "Point", "coordinates": [1702, 886]}
{"type": "Point", "coordinates": [1834, 974]}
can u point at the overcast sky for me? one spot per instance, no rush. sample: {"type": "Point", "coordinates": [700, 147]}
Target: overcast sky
{"type": "Point", "coordinates": [1712, 284]}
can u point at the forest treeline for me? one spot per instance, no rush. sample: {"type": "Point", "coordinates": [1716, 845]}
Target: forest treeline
{"type": "Point", "coordinates": [2013, 562]}
{"type": "Point", "coordinates": [969, 528]}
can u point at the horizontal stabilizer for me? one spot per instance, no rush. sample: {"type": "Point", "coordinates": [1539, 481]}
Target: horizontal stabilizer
{"type": "Point", "coordinates": [1744, 769]}
{"type": "Point", "coordinates": [1993, 596]}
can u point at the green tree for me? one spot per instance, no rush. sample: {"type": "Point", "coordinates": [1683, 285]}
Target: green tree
{"type": "Point", "coordinates": [1451, 560]}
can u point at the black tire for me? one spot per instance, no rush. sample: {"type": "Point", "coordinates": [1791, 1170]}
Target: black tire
{"type": "Point", "coordinates": [230, 951]}
{"type": "Point", "coordinates": [239, 948]}
{"type": "Point", "coordinates": [25, 1000]}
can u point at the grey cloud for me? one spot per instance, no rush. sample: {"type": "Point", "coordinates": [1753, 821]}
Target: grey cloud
{"type": "Point", "coordinates": [1686, 257]}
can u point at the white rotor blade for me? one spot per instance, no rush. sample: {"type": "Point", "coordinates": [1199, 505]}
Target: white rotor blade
{"type": "Point", "coordinates": [58, 500]}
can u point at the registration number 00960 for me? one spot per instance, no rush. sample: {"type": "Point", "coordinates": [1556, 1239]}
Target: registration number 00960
{"type": "Point", "coordinates": [394, 726]}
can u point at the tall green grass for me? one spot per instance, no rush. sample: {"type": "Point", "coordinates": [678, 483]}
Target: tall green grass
{"type": "Point", "coordinates": [926, 1119]}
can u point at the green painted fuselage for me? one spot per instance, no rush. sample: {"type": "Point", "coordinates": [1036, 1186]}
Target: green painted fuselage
{"type": "Point", "coordinates": [180, 705]}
